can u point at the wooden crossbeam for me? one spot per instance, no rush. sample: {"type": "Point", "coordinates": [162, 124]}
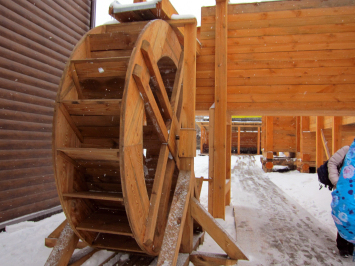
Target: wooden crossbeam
{"type": "Point", "coordinates": [156, 194]}
{"type": "Point", "coordinates": [157, 80]}
{"type": "Point", "coordinates": [151, 106]}
{"type": "Point", "coordinates": [221, 236]}
{"type": "Point", "coordinates": [173, 233]}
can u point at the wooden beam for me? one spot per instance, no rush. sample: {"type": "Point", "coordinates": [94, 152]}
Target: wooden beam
{"type": "Point", "coordinates": [238, 140]}
{"type": "Point", "coordinates": [336, 133]}
{"type": "Point", "coordinates": [319, 144]}
{"type": "Point", "coordinates": [269, 146]}
{"type": "Point", "coordinates": [220, 108]}
{"type": "Point", "coordinates": [325, 145]}
{"type": "Point", "coordinates": [188, 122]}
{"type": "Point", "coordinates": [211, 159]}
{"type": "Point", "coordinates": [221, 236]}
{"type": "Point", "coordinates": [258, 142]}
{"type": "Point", "coordinates": [175, 95]}
{"type": "Point", "coordinates": [228, 158]}
{"type": "Point", "coordinates": [64, 248]}
{"type": "Point", "coordinates": [199, 258]}
{"type": "Point", "coordinates": [173, 233]}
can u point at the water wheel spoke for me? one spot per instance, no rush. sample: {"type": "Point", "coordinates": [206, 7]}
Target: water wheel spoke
{"type": "Point", "coordinates": [151, 106]}
{"type": "Point", "coordinates": [156, 194]}
{"type": "Point", "coordinates": [157, 79]}
{"type": "Point", "coordinates": [175, 96]}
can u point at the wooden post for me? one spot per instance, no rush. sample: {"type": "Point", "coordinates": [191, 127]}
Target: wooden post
{"type": "Point", "coordinates": [188, 121]}
{"type": "Point", "coordinates": [211, 160]}
{"type": "Point", "coordinates": [203, 138]}
{"type": "Point", "coordinates": [303, 166]}
{"type": "Point", "coordinates": [228, 158]}
{"type": "Point", "coordinates": [319, 143]}
{"type": "Point", "coordinates": [221, 109]}
{"type": "Point", "coordinates": [298, 133]}
{"type": "Point", "coordinates": [336, 133]}
{"type": "Point", "coordinates": [258, 142]}
{"type": "Point", "coordinates": [269, 143]}
{"type": "Point", "coordinates": [238, 140]}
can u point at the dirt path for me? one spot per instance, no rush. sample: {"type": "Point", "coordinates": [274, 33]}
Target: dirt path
{"type": "Point", "coordinates": [272, 228]}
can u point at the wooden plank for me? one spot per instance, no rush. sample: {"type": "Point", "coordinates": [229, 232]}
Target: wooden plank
{"type": "Point", "coordinates": [336, 133]}
{"type": "Point", "coordinates": [156, 79]}
{"type": "Point", "coordinates": [95, 195]}
{"type": "Point", "coordinates": [199, 258]}
{"type": "Point", "coordinates": [112, 41]}
{"type": "Point", "coordinates": [64, 248]}
{"type": "Point", "coordinates": [151, 106]}
{"type": "Point", "coordinates": [220, 110]}
{"type": "Point", "coordinates": [172, 238]}
{"type": "Point", "coordinates": [91, 154]}
{"type": "Point", "coordinates": [113, 242]}
{"type": "Point", "coordinates": [106, 223]}
{"type": "Point", "coordinates": [221, 236]}
{"type": "Point", "coordinates": [101, 67]}
{"type": "Point", "coordinates": [156, 194]}
{"type": "Point", "coordinates": [319, 146]}
{"type": "Point", "coordinates": [93, 107]}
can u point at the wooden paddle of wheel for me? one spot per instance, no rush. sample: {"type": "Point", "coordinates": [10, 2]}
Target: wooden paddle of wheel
{"type": "Point", "coordinates": [121, 88]}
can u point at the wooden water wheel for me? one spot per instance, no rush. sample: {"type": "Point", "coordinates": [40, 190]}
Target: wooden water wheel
{"type": "Point", "coordinates": [115, 151]}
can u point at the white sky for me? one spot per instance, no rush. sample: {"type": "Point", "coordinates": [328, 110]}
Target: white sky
{"type": "Point", "coordinates": [183, 7]}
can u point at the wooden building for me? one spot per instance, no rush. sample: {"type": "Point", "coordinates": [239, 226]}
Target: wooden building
{"type": "Point", "coordinates": [36, 39]}
{"type": "Point", "coordinates": [245, 137]}
{"type": "Point", "coordinates": [274, 59]}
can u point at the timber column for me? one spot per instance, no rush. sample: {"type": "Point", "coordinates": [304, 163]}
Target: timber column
{"type": "Point", "coordinates": [220, 132]}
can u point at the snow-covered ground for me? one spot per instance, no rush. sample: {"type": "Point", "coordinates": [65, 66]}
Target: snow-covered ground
{"type": "Point", "coordinates": [23, 243]}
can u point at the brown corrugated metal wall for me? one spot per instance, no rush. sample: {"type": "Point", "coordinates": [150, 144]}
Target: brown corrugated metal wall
{"type": "Point", "coordinates": [36, 39]}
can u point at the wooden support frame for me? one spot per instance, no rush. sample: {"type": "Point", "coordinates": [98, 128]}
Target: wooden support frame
{"type": "Point", "coordinates": [228, 160]}
{"type": "Point", "coordinates": [220, 109]}
{"type": "Point", "coordinates": [238, 140]}
{"type": "Point", "coordinates": [208, 259]}
{"type": "Point", "coordinates": [64, 248]}
{"type": "Point", "coordinates": [211, 159]}
{"type": "Point", "coordinates": [258, 142]}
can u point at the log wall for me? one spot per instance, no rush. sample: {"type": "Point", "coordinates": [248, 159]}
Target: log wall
{"type": "Point", "coordinates": [36, 39]}
{"type": "Point", "coordinates": [284, 58]}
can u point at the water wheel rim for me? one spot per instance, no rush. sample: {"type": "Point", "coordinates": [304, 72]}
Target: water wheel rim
{"type": "Point", "coordinates": [160, 36]}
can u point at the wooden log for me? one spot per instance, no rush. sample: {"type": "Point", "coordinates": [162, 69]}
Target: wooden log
{"type": "Point", "coordinates": [64, 248]}
{"type": "Point", "coordinates": [222, 238]}
{"type": "Point", "coordinates": [211, 159]}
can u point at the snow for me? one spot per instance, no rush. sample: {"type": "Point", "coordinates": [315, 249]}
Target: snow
{"type": "Point", "coordinates": [182, 16]}
{"type": "Point", "coordinates": [118, 8]}
{"type": "Point", "coordinates": [23, 243]}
